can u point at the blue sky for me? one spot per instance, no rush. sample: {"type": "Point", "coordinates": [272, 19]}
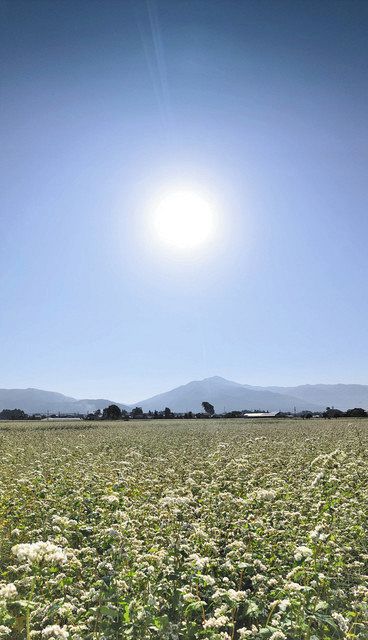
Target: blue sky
{"type": "Point", "coordinates": [261, 104]}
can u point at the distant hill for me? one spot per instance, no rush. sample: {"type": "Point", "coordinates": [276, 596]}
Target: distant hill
{"type": "Point", "coordinates": [340, 396]}
{"type": "Point", "coordinates": [39, 401]}
{"type": "Point", "coordinates": [224, 394]}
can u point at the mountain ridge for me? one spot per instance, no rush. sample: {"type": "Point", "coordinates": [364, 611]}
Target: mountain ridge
{"type": "Point", "coordinates": [223, 393]}
{"type": "Point", "coordinates": [32, 400]}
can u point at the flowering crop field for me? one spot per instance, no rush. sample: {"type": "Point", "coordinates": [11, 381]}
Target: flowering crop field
{"type": "Point", "coordinates": [178, 530]}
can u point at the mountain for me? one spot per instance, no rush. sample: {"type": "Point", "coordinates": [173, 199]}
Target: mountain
{"type": "Point", "coordinates": [39, 401]}
{"type": "Point", "coordinates": [225, 394]}
{"type": "Point", "coordinates": [220, 392]}
{"type": "Point", "coordinates": [340, 396]}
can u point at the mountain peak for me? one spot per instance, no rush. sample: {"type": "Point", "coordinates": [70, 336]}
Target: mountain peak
{"type": "Point", "coordinates": [225, 395]}
{"type": "Point", "coordinates": [221, 380]}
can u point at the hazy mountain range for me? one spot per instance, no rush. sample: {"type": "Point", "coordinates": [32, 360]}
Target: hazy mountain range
{"type": "Point", "coordinates": [223, 394]}
{"type": "Point", "coordinates": [39, 401]}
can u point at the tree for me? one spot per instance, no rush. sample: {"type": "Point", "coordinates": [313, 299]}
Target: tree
{"type": "Point", "coordinates": [137, 412]}
{"type": "Point", "coordinates": [306, 415]}
{"type": "Point", "coordinates": [13, 414]}
{"type": "Point", "coordinates": [96, 415]}
{"type": "Point", "coordinates": [167, 413]}
{"type": "Point", "coordinates": [234, 414]}
{"type": "Point", "coordinates": [358, 412]}
{"type": "Point", "coordinates": [209, 408]}
{"type": "Point", "coordinates": [111, 412]}
{"type": "Point", "coordinates": [332, 413]}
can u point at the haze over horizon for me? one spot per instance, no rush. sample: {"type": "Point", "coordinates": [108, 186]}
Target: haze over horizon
{"type": "Point", "coordinates": [260, 109]}
{"type": "Point", "coordinates": [143, 398]}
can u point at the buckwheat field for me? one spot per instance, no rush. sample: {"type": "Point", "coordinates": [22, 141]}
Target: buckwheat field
{"type": "Point", "coordinates": [173, 530]}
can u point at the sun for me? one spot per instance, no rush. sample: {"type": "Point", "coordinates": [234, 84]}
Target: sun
{"type": "Point", "coordinates": [184, 220]}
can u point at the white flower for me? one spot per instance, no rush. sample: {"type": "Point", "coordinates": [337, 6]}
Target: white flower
{"type": "Point", "coordinates": [247, 633]}
{"type": "Point", "coordinates": [266, 494]}
{"type": "Point", "coordinates": [302, 552]}
{"type": "Point", "coordinates": [278, 635]}
{"type": "Point", "coordinates": [4, 631]}
{"type": "Point", "coordinates": [199, 562]}
{"type": "Point", "coordinates": [208, 580]}
{"type": "Point", "coordinates": [8, 591]}
{"type": "Point", "coordinates": [284, 604]}
{"type": "Point", "coordinates": [172, 501]}
{"type": "Point", "coordinates": [293, 586]}
{"type": "Point", "coordinates": [62, 521]}
{"type": "Point", "coordinates": [317, 534]}
{"type": "Point", "coordinates": [341, 621]}
{"type": "Point", "coordinates": [236, 596]}
{"type": "Point", "coordinates": [55, 631]}
{"type": "Point", "coordinates": [189, 597]}
{"type": "Point", "coordinates": [66, 609]}
{"type": "Point", "coordinates": [40, 552]}
{"type": "Point", "coordinates": [318, 478]}
{"type": "Point", "coordinates": [221, 611]}
{"type": "Point", "coordinates": [111, 499]}
{"type": "Point", "coordinates": [215, 623]}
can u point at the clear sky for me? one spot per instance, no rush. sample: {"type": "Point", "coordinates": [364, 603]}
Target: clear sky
{"type": "Point", "coordinates": [260, 105]}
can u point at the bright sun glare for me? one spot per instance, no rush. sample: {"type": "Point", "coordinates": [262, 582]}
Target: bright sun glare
{"type": "Point", "coordinates": [184, 220]}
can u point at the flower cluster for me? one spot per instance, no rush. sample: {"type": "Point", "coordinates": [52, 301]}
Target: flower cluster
{"type": "Point", "coordinates": [40, 552]}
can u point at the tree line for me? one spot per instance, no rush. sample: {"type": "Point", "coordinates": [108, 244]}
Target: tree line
{"type": "Point", "coordinates": [113, 412]}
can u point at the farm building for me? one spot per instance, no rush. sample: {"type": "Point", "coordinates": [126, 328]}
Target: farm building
{"type": "Point", "coordinates": [72, 419]}
{"type": "Point", "coordinates": [271, 414]}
